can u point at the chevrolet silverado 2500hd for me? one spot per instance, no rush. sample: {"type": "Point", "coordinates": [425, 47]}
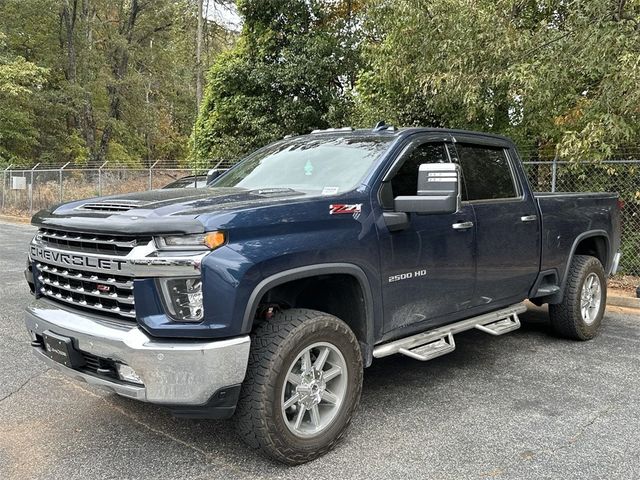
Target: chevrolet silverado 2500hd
{"type": "Point", "coordinates": [268, 292]}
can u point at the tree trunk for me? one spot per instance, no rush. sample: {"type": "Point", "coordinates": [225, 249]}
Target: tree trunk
{"type": "Point", "coordinates": [67, 43]}
{"type": "Point", "coordinates": [119, 68]}
{"type": "Point", "coordinates": [199, 57]}
{"type": "Point", "coordinates": [87, 120]}
{"type": "Point", "coordinates": [69, 16]}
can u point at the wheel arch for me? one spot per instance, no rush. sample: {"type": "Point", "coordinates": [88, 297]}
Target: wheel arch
{"type": "Point", "coordinates": [349, 276]}
{"type": "Point", "coordinates": [594, 243]}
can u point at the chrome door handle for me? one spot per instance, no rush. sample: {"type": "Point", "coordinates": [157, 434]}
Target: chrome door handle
{"type": "Point", "coordinates": [462, 225]}
{"type": "Point", "coordinates": [528, 218]}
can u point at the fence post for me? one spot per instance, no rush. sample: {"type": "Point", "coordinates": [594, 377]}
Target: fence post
{"type": "Point", "coordinates": [4, 183]}
{"type": "Point", "coordinates": [31, 189]}
{"type": "Point", "coordinates": [100, 178]}
{"type": "Point", "coordinates": [151, 175]}
{"type": "Point", "coordinates": [554, 173]}
{"type": "Point", "coordinates": [61, 187]}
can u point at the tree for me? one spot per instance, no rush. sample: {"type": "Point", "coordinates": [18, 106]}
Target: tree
{"type": "Point", "coordinates": [19, 79]}
{"type": "Point", "coordinates": [549, 73]}
{"type": "Point", "coordinates": [290, 72]}
{"type": "Point", "coordinates": [121, 78]}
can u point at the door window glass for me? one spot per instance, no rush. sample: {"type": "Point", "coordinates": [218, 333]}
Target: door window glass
{"type": "Point", "coordinates": [486, 171]}
{"type": "Point", "coordinates": [405, 182]}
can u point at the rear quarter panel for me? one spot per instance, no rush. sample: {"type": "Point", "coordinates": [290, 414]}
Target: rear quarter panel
{"type": "Point", "coordinates": [567, 218]}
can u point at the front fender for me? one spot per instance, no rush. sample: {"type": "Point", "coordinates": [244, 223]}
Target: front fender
{"type": "Point", "coordinates": [239, 284]}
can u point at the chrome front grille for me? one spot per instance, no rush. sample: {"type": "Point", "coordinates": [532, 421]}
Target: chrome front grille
{"type": "Point", "coordinates": [119, 245]}
{"type": "Point", "coordinates": [96, 272]}
{"type": "Point", "coordinates": [106, 293]}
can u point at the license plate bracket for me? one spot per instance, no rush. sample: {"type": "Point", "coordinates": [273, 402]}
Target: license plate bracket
{"type": "Point", "coordinates": [60, 349]}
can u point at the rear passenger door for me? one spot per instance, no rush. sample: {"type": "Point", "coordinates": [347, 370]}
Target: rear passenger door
{"type": "Point", "coordinates": [507, 226]}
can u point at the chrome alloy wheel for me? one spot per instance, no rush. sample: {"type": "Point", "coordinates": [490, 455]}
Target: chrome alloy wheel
{"type": "Point", "coordinates": [590, 298]}
{"type": "Point", "coordinates": [314, 389]}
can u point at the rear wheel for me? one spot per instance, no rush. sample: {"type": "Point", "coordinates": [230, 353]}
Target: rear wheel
{"type": "Point", "coordinates": [303, 384]}
{"type": "Point", "coordinates": [579, 316]}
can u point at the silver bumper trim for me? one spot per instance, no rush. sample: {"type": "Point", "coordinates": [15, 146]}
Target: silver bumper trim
{"type": "Point", "coordinates": [174, 372]}
{"type": "Point", "coordinates": [123, 389]}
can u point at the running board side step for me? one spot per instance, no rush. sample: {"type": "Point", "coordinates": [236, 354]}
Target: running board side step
{"type": "Point", "coordinates": [439, 341]}
{"type": "Point", "coordinates": [431, 350]}
{"type": "Point", "coordinates": [501, 327]}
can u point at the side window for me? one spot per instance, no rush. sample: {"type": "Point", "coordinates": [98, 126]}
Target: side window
{"type": "Point", "coordinates": [486, 172]}
{"type": "Point", "coordinates": [405, 181]}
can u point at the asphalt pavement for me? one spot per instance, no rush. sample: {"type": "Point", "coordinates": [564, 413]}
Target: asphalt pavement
{"type": "Point", "coordinates": [523, 406]}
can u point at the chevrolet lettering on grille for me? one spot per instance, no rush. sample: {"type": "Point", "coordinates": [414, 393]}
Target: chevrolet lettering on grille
{"type": "Point", "coordinates": [75, 260]}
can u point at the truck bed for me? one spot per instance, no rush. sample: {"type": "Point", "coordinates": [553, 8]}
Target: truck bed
{"type": "Point", "coordinates": [568, 217]}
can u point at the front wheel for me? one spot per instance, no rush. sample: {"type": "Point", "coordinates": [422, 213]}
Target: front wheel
{"type": "Point", "coordinates": [579, 316]}
{"type": "Point", "coordinates": [303, 384]}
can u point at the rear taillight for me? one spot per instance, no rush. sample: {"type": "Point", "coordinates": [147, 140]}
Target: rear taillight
{"type": "Point", "coordinates": [620, 204]}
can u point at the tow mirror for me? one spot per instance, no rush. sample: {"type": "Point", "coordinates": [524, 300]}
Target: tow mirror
{"type": "Point", "coordinates": [438, 190]}
{"type": "Point", "coordinates": [214, 173]}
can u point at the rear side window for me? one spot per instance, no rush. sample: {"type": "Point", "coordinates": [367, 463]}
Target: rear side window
{"type": "Point", "coordinates": [487, 173]}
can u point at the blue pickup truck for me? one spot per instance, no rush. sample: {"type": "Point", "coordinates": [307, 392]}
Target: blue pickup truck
{"type": "Point", "coordinates": [266, 294]}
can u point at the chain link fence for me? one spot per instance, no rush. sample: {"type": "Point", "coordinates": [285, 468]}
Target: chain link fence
{"type": "Point", "coordinates": [28, 190]}
{"type": "Point", "coordinates": [25, 191]}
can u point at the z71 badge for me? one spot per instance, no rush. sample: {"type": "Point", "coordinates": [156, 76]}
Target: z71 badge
{"type": "Point", "coordinates": [341, 208]}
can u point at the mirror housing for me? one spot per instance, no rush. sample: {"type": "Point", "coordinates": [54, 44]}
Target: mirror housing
{"type": "Point", "coordinates": [215, 173]}
{"type": "Point", "coordinates": [438, 190]}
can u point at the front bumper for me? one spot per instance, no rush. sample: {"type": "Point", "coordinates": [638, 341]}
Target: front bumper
{"type": "Point", "coordinates": [176, 373]}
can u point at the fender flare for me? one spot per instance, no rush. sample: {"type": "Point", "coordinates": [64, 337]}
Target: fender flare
{"type": "Point", "coordinates": [583, 236]}
{"type": "Point", "coordinates": [311, 271]}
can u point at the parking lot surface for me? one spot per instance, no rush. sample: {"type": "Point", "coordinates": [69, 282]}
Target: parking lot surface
{"type": "Point", "coordinates": [523, 406]}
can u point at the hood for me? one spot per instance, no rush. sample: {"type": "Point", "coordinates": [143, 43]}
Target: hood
{"type": "Point", "coordinates": [159, 211]}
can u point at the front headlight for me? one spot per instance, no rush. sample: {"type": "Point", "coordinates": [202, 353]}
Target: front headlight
{"type": "Point", "coordinates": [183, 298]}
{"type": "Point", "coordinates": [199, 241]}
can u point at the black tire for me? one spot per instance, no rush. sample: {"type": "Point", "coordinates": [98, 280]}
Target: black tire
{"type": "Point", "coordinates": [275, 346]}
{"type": "Point", "coordinates": [566, 317]}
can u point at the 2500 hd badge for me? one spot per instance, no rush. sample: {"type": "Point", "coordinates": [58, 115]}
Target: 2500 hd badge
{"type": "Point", "coordinates": [407, 275]}
{"type": "Point", "coordinates": [74, 260]}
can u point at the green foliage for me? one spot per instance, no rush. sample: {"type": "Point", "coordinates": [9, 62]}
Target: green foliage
{"type": "Point", "coordinates": [545, 72]}
{"type": "Point", "coordinates": [290, 72]}
{"type": "Point", "coordinates": [79, 78]}
{"type": "Point", "coordinates": [94, 80]}
{"type": "Point", "coordinates": [19, 79]}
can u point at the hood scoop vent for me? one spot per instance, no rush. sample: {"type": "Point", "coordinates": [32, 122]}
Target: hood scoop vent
{"type": "Point", "coordinates": [267, 192]}
{"type": "Point", "coordinates": [114, 206]}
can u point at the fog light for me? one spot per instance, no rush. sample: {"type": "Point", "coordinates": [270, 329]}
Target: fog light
{"type": "Point", "coordinates": [183, 298]}
{"type": "Point", "coordinates": [128, 374]}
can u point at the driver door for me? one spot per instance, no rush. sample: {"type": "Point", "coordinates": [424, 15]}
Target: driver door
{"type": "Point", "coordinates": [428, 265]}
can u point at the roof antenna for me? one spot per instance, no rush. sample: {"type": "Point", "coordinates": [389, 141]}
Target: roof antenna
{"type": "Point", "coordinates": [381, 125]}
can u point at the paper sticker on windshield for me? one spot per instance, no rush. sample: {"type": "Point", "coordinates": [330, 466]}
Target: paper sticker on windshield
{"type": "Point", "coordinates": [329, 190]}
{"type": "Point", "coordinates": [348, 209]}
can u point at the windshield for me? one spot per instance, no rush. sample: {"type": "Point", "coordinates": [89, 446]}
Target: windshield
{"type": "Point", "coordinates": [329, 165]}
